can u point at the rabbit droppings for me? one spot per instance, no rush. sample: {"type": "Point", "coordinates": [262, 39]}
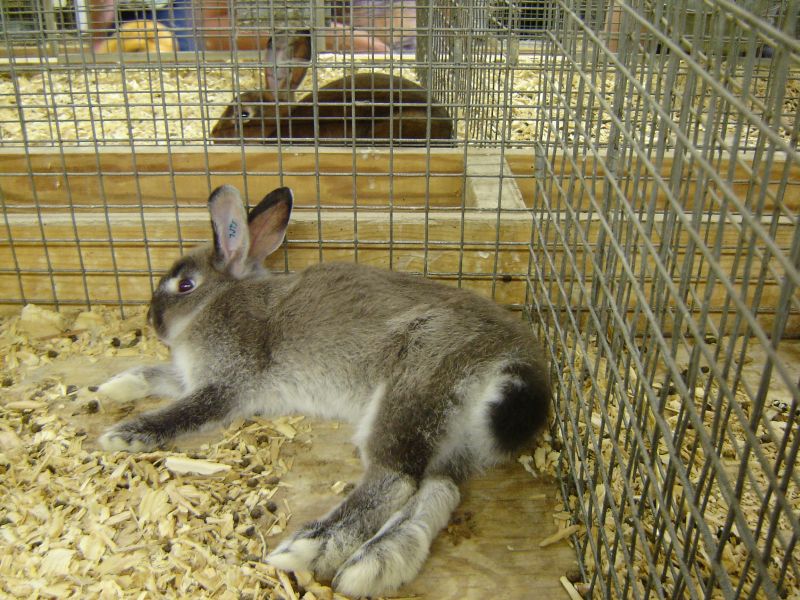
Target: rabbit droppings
{"type": "Point", "coordinates": [439, 382]}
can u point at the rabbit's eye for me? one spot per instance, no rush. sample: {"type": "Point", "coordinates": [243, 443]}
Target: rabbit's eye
{"type": "Point", "coordinates": [185, 285]}
{"type": "Point", "coordinates": [245, 114]}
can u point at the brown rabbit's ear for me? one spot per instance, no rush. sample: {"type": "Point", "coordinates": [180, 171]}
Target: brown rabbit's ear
{"type": "Point", "coordinates": [287, 58]}
{"type": "Point", "coordinates": [268, 222]}
{"type": "Point", "coordinates": [231, 233]}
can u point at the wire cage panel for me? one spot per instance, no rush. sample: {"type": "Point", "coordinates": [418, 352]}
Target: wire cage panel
{"type": "Point", "coordinates": [98, 227]}
{"type": "Point", "coordinates": [23, 20]}
{"type": "Point", "coordinates": [630, 180]}
{"type": "Point", "coordinates": [97, 140]}
{"type": "Point", "coordinates": [165, 75]}
{"type": "Point", "coordinates": [467, 52]}
{"type": "Point", "coordinates": [139, 81]}
{"type": "Point", "coordinates": [666, 268]}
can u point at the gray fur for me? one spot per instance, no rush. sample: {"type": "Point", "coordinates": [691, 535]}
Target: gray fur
{"type": "Point", "coordinates": [439, 382]}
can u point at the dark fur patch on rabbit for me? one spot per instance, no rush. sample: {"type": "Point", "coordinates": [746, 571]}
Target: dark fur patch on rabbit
{"type": "Point", "coordinates": [522, 409]}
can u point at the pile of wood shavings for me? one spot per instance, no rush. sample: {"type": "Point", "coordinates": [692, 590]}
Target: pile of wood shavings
{"type": "Point", "coordinates": [545, 460]}
{"type": "Point", "coordinates": [735, 554]}
{"type": "Point", "coordinates": [536, 83]}
{"type": "Point", "coordinates": [76, 522]}
{"type": "Point", "coordinates": [108, 106]}
{"type": "Point", "coordinates": [169, 105]}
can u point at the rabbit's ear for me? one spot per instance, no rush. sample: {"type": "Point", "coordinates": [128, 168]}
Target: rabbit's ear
{"type": "Point", "coordinates": [287, 59]}
{"type": "Point", "coordinates": [268, 222]}
{"type": "Point", "coordinates": [231, 234]}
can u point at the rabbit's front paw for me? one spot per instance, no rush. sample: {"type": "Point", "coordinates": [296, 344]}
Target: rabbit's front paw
{"type": "Point", "coordinates": [132, 436]}
{"type": "Point", "coordinates": [128, 385]}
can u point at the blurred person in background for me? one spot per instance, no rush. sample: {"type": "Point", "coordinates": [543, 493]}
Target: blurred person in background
{"type": "Point", "coordinates": [373, 26]}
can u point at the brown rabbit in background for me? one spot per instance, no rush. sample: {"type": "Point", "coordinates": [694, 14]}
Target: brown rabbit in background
{"type": "Point", "coordinates": [439, 383]}
{"type": "Point", "coordinates": [366, 106]}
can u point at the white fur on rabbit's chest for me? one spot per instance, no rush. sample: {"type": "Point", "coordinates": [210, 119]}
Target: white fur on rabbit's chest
{"type": "Point", "coordinates": [307, 389]}
{"type": "Point", "coordinates": [185, 363]}
{"type": "Point", "coordinates": [308, 393]}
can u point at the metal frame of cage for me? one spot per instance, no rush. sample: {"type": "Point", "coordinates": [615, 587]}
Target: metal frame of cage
{"type": "Point", "coordinates": [667, 257]}
{"type": "Point", "coordinates": [166, 114]}
{"type": "Point", "coordinates": [639, 201]}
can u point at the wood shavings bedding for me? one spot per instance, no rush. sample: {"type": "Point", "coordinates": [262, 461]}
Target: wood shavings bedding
{"type": "Point", "coordinates": [178, 105]}
{"type": "Point", "coordinates": [597, 427]}
{"type": "Point", "coordinates": [539, 86]}
{"type": "Point", "coordinates": [192, 521]}
{"type": "Point", "coordinates": [109, 106]}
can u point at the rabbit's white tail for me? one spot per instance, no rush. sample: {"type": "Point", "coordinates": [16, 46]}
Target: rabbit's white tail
{"type": "Point", "coordinates": [397, 552]}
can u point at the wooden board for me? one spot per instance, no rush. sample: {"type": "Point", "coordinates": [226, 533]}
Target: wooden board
{"type": "Point", "coordinates": [107, 256]}
{"type": "Point", "coordinates": [492, 552]}
{"type": "Point", "coordinates": [590, 175]}
{"type": "Point", "coordinates": [457, 215]}
{"type": "Point", "coordinates": [114, 251]}
{"type": "Point", "coordinates": [158, 176]}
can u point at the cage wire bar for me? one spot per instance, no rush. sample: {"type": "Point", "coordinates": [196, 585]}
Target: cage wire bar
{"type": "Point", "coordinates": [624, 170]}
{"type": "Point", "coordinates": [472, 65]}
{"type": "Point", "coordinates": [665, 262]}
{"type": "Point", "coordinates": [106, 147]}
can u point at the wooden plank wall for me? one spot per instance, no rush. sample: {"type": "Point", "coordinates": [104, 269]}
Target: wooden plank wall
{"type": "Point", "coordinates": [156, 177]}
{"type": "Point", "coordinates": [577, 186]}
{"type": "Point", "coordinates": [407, 209]}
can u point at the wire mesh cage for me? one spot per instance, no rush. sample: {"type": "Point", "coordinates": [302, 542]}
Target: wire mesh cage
{"type": "Point", "coordinates": [468, 52]}
{"type": "Point", "coordinates": [623, 172]}
{"type": "Point", "coordinates": [666, 264]}
{"type": "Point", "coordinates": [22, 20]}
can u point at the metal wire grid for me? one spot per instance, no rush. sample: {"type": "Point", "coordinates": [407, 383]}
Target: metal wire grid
{"type": "Point", "coordinates": [23, 20]}
{"type": "Point", "coordinates": [90, 234]}
{"type": "Point", "coordinates": [81, 95]}
{"type": "Point", "coordinates": [468, 61]}
{"type": "Point", "coordinates": [531, 20]}
{"type": "Point", "coordinates": [666, 268]}
{"type": "Point", "coordinates": [662, 254]}
{"type": "Point", "coordinates": [65, 21]}
{"type": "Point", "coordinates": [114, 250]}
{"type": "Point", "coordinates": [468, 56]}
{"type": "Point", "coordinates": [115, 263]}
{"type": "Point", "coordinates": [66, 89]}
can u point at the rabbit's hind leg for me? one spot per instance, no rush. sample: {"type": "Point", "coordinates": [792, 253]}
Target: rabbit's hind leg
{"type": "Point", "coordinates": [321, 546]}
{"type": "Point", "coordinates": [398, 438]}
{"type": "Point", "coordinates": [395, 554]}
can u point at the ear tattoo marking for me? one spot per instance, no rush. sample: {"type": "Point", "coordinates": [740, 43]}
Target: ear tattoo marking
{"type": "Point", "coordinates": [233, 229]}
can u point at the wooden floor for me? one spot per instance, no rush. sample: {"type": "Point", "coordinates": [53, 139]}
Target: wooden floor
{"type": "Point", "coordinates": [491, 550]}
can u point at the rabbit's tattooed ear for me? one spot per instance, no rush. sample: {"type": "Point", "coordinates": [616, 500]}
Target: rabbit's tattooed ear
{"type": "Point", "coordinates": [231, 234]}
{"type": "Point", "coordinates": [242, 241]}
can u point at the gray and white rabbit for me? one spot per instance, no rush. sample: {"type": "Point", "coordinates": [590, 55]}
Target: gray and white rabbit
{"type": "Point", "coordinates": [439, 383]}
